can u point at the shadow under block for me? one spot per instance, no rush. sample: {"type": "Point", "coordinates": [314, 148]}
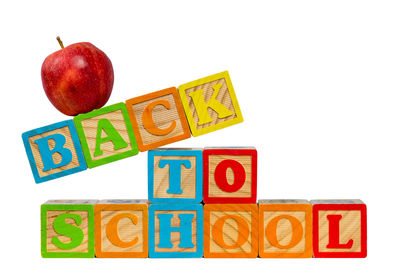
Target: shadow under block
{"type": "Point", "coordinates": [230, 230]}
{"type": "Point", "coordinates": [106, 135]}
{"type": "Point", "coordinates": [175, 231]}
{"type": "Point", "coordinates": [285, 229]}
{"type": "Point", "coordinates": [175, 176]}
{"type": "Point", "coordinates": [230, 175]}
{"type": "Point", "coordinates": [67, 229]}
{"type": "Point", "coordinates": [210, 103]}
{"type": "Point", "coordinates": [54, 151]}
{"type": "Point", "coordinates": [339, 229]}
{"type": "Point", "coordinates": [158, 119]}
{"type": "Point", "coordinates": [121, 229]}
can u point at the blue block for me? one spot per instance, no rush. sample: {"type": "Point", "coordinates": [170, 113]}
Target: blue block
{"type": "Point", "coordinates": [45, 151]}
{"type": "Point", "coordinates": [175, 167]}
{"type": "Point", "coordinates": [184, 229]}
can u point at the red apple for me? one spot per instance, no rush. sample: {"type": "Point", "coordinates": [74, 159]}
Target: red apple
{"type": "Point", "coordinates": [77, 78]}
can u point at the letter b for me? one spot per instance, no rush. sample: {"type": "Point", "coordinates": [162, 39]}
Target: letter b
{"type": "Point", "coordinates": [47, 153]}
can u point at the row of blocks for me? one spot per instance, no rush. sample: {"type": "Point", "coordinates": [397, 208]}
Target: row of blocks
{"type": "Point", "coordinates": [142, 123]}
{"type": "Point", "coordinates": [269, 229]}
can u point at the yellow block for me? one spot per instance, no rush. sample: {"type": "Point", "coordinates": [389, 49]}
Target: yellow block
{"type": "Point", "coordinates": [210, 103]}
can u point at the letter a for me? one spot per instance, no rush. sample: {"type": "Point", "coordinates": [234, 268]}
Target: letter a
{"type": "Point", "coordinates": [112, 135]}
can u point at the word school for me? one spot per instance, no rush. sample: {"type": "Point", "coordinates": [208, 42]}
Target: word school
{"type": "Point", "coordinates": [122, 130]}
{"type": "Point", "coordinates": [203, 203]}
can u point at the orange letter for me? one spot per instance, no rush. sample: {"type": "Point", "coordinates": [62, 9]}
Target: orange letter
{"type": "Point", "coordinates": [148, 121]}
{"type": "Point", "coordinates": [243, 231]}
{"type": "Point", "coordinates": [297, 231]}
{"type": "Point", "coordinates": [112, 230]}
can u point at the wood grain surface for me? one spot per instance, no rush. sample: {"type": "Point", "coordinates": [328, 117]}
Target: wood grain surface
{"type": "Point", "coordinates": [247, 213]}
{"type": "Point", "coordinates": [56, 156]}
{"type": "Point", "coordinates": [349, 227]}
{"type": "Point", "coordinates": [244, 191]}
{"type": "Point", "coordinates": [175, 236]}
{"type": "Point", "coordinates": [51, 215]}
{"type": "Point", "coordinates": [90, 129]}
{"type": "Point", "coordinates": [223, 97]}
{"type": "Point", "coordinates": [161, 178]}
{"type": "Point", "coordinates": [300, 211]}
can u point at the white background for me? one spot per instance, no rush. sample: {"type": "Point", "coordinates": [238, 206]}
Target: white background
{"type": "Point", "coordinates": [317, 82]}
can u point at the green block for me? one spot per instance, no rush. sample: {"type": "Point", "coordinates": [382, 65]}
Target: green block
{"type": "Point", "coordinates": [67, 229]}
{"type": "Point", "coordinates": [106, 135]}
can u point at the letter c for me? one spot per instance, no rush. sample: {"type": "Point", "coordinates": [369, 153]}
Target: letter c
{"type": "Point", "coordinates": [148, 121]}
{"type": "Point", "coordinates": [112, 230]}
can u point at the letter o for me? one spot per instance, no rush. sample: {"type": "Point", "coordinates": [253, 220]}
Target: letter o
{"type": "Point", "coordinates": [239, 175]}
{"type": "Point", "coordinates": [297, 231]}
{"type": "Point", "coordinates": [243, 230]}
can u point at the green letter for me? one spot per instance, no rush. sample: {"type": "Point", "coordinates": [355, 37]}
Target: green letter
{"type": "Point", "coordinates": [112, 135]}
{"type": "Point", "coordinates": [61, 227]}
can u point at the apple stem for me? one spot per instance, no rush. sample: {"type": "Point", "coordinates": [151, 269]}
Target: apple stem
{"type": "Point", "coordinates": [60, 42]}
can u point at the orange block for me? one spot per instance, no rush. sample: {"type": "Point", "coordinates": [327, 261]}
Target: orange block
{"type": "Point", "coordinates": [285, 229]}
{"type": "Point", "coordinates": [230, 230]}
{"type": "Point", "coordinates": [158, 119]}
{"type": "Point", "coordinates": [121, 229]}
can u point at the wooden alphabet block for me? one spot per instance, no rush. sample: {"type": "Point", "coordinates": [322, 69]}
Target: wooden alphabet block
{"type": "Point", "coordinates": [230, 175]}
{"type": "Point", "coordinates": [54, 151]}
{"type": "Point", "coordinates": [210, 103]}
{"type": "Point", "coordinates": [285, 229]}
{"type": "Point", "coordinates": [176, 231]}
{"type": "Point", "coordinates": [106, 135]}
{"type": "Point", "coordinates": [230, 230]}
{"type": "Point", "coordinates": [121, 229]}
{"type": "Point", "coordinates": [175, 176]}
{"type": "Point", "coordinates": [158, 119]}
{"type": "Point", "coordinates": [339, 229]}
{"type": "Point", "coordinates": [68, 229]}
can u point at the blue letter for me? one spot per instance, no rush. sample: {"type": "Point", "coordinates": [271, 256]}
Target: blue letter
{"type": "Point", "coordinates": [175, 174]}
{"type": "Point", "coordinates": [166, 229]}
{"type": "Point", "coordinates": [47, 154]}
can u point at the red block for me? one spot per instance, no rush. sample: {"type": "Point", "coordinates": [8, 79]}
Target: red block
{"type": "Point", "coordinates": [339, 229]}
{"type": "Point", "coordinates": [230, 175]}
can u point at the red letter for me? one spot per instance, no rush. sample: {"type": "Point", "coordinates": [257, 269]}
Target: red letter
{"type": "Point", "coordinates": [334, 241]}
{"type": "Point", "coordinates": [239, 175]}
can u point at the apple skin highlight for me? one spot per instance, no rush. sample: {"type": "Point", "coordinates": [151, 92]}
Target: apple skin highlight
{"type": "Point", "coordinates": [78, 78]}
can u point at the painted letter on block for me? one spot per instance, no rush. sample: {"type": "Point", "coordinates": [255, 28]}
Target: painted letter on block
{"type": "Point", "coordinates": [106, 135]}
{"type": "Point", "coordinates": [175, 231]}
{"type": "Point", "coordinates": [54, 151]}
{"type": "Point", "coordinates": [121, 229]}
{"type": "Point", "coordinates": [230, 231]}
{"type": "Point", "coordinates": [68, 229]}
{"type": "Point", "coordinates": [175, 175]}
{"type": "Point", "coordinates": [230, 175]}
{"type": "Point", "coordinates": [158, 119]}
{"type": "Point", "coordinates": [210, 104]}
{"type": "Point", "coordinates": [285, 229]}
{"type": "Point", "coordinates": [339, 229]}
